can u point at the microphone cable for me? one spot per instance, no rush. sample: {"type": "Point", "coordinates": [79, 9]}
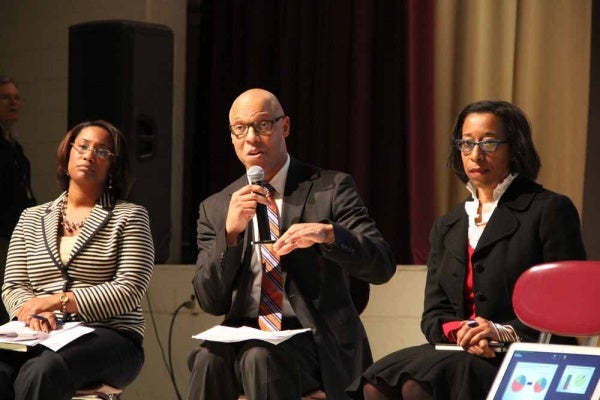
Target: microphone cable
{"type": "Point", "coordinates": [189, 304]}
{"type": "Point", "coordinates": [168, 364]}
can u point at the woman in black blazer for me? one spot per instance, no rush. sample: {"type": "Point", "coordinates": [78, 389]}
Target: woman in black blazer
{"type": "Point", "coordinates": [478, 250]}
{"type": "Point", "coordinates": [86, 256]}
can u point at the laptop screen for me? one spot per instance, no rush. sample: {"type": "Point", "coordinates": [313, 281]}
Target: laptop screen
{"type": "Point", "coordinates": [532, 371]}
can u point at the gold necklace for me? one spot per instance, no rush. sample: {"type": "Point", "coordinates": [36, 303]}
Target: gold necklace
{"type": "Point", "coordinates": [68, 225]}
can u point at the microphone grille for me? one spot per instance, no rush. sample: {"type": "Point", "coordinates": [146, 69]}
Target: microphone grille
{"type": "Point", "coordinates": [255, 174]}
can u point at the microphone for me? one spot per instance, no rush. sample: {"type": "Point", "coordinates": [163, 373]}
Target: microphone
{"type": "Point", "coordinates": [262, 232]}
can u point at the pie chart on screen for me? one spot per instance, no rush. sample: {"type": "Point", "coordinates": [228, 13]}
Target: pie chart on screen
{"type": "Point", "coordinates": [540, 385]}
{"type": "Point", "coordinates": [519, 383]}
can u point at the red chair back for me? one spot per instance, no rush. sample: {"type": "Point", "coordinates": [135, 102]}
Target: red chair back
{"type": "Point", "coordinates": [561, 298]}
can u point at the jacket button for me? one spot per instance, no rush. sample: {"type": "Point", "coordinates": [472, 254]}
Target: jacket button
{"type": "Point", "coordinates": [478, 267]}
{"type": "Point", "coordinates": [480, 296]}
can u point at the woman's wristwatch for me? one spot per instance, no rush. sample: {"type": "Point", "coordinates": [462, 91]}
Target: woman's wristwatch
{"type": "Point", "coordinates": [64, 300]}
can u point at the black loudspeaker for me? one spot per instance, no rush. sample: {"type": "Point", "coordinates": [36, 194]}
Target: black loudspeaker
{"type": "Point", "coordinates": [122, 72]}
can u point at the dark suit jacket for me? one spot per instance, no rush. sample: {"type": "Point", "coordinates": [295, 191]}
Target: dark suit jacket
{"type": "Point", "coordinates": [15, 186]}
{"type": "Point", "coordinates": [317, 277]}
{"type": "Point", "coordinates": [531, 225]}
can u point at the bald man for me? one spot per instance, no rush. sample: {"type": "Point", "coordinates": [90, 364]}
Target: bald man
{"type": "Point", "coordinates": [15, 185]}
{"type": "Point", "coordinates": [327, 239]}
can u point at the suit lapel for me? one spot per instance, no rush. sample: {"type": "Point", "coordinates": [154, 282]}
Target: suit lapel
{"type": "Point", "coordinates": [97, 219]}
{"type": "Point", "coordinates": [245, 273]}
{"type": "Point", "coordinates": [50, 230]}
{"type": "Point", "coordinates": [235, 186]}
{"type": "Point", "coordinates": [297, 188]}
{"type": "Point", "coordinates": [503, 222]}
{"type": "Point", "coordinates": [456, 238]}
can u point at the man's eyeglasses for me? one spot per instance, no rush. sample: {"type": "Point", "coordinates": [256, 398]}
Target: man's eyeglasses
{"type": "Point", "coordinates": [82, 148]}
{"type": "Point", "coordinates": [262, 128]}
{"type": "Point", "coordinates": [467, 146]}
{"type": "Point", "coordinates": [7, 98]}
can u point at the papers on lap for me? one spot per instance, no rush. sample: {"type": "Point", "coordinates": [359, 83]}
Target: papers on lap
{"type": "Point", "coordinates": [227, 334]}
{"type": "Point", "coordinates": [14, 335]}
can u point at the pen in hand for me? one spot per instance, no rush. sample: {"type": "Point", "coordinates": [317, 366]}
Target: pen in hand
{"type": "Point", "coordinates": [41, 318]}
{"type": "Point", "coordinates": [41, 327]}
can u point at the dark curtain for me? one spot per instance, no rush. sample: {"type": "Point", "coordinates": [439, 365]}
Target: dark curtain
{"type": "Point", "coordinates": [591, 189]}
{"type": "Point", "coordinates": [355, 77]}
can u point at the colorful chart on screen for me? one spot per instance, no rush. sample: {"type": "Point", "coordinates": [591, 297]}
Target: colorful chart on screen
{"type": "Point", "coordinates": [529, 381]}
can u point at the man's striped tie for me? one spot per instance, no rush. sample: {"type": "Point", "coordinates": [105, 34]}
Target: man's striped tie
{"type": "Point", "coordinates": [271, 294]}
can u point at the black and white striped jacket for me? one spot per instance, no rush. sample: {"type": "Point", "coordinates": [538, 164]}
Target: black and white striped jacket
{"type": "Point", "coordinates": [108, 270]}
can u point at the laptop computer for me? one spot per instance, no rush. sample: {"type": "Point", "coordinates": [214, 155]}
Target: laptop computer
{"type": "Point", "coordinates": [534, 371]}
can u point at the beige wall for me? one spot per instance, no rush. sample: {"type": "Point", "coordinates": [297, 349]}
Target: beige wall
{"type": "Point", "coordinates": [34, 35]}
{"type": "Point", "coordinates": [534, 53]}
{"type": "Point", "coordinates": [391, 319]}
{"type": "Point", "coordinates": [393, 316]}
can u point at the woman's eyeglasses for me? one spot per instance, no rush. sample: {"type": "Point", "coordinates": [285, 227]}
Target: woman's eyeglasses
{"type": "Point", "coordinates": [467, 146]}
{"type": "Point", "coordinates": [82, 148]}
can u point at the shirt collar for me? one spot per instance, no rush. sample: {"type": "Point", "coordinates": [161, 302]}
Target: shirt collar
{"type": "Point", "coordinates": [278, 181]}
{"type": "Point", "coordinates": [6, 133]}
{"type": "Point", "coordinates": [498, 190]}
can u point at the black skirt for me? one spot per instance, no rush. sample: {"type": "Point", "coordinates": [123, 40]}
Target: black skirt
{"type": "Point", "coordinates": [453, 375]}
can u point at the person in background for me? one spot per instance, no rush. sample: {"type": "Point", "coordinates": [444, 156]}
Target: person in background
{"type": "Point", "coordinates": [324, 238]}
{"type": "Point", "coordinates": [508, 224]}
{"type": "Point", "coordinates": [86, 256]}
{"type": "Point", "coordinates": [15, 181]}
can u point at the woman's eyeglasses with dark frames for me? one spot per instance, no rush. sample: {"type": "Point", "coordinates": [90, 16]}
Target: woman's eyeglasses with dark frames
{"type": "Point", "coordinates": [467, 146]}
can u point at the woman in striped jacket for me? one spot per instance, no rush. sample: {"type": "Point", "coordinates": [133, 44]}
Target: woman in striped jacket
{"type": "Point", "coordinates": [87, 256]}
